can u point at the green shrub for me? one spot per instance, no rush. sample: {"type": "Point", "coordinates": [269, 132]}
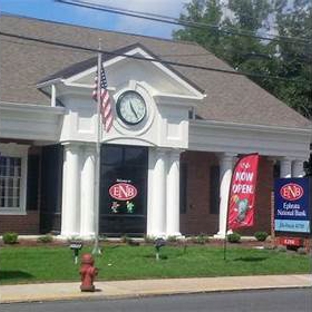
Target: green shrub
{"type": "Point", "coordinates": [45, 239]}
{"type": "Point", "coordinates": [171, 239]}
{"type": "Point", "coordinates": [233, 238]}
{"type": "Point", "coordinates": [201, 239]}
{"type": "Point", "coordinates": [261, 236]}
{"type": "Point", "coordinates": [10, 238]}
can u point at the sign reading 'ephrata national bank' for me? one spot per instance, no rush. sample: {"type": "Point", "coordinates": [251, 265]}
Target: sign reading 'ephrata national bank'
{"type": "Point", "coordinates": [293, 205]}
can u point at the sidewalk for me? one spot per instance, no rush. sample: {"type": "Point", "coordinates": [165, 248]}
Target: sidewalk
{"type": "Point", "coordinates": [137, 288]}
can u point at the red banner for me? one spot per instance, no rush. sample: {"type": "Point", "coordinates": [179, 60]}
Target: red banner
{"type": "Point", "coordinates": [242, 192]}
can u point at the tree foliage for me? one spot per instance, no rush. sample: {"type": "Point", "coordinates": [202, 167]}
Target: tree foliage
{"type": "Point", "coordinates": [295, 58]}
{"type": "Point", "coordinates": [232, 32]}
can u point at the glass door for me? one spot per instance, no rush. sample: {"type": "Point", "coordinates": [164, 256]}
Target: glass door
{"type": "Point", "coordinates": [123, 190]}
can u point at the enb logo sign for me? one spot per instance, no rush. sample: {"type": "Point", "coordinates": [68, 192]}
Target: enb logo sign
{"type": "Point", "coordinates": [123, 191]}
{"type": "Point", "coordinates": [292, 200]}
{"type": "Point", "coordinates": [291, 191]}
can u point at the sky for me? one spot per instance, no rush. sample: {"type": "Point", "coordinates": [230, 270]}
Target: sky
{"type": "Point", "coordinates": [55, 11]}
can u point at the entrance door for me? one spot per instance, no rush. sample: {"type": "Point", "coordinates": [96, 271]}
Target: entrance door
{"type": "Point", "coordinates": [123, 190]}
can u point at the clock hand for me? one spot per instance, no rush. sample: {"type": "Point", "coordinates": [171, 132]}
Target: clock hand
{"type": "Point", "coordinates": [133, 110]}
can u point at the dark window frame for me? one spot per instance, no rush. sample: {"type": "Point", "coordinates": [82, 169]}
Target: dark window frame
{"type": "Point", "coordinates": [183, 187]}
{"type": "Point", "coordinates": [214, 197]}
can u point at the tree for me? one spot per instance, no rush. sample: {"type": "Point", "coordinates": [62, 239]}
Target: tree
{"type": "Point", "coordinates": [235, 39]}
{"type": "Point", "coordinates": [243, 49]}
{"type": "Point", "coordinates": [295, 57]}
{"type": "Point", "coordinates": [201, 11]}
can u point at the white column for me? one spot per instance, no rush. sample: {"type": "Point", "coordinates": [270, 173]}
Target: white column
{"type": "Point", "coordinates": [173, 195]}
{"type": "Point", "coordinates": [87, 222]}
{"type": "Point", "coordinates": [297, 168]}
{"type": "Point", "coordinates": [285, 167]}
{"type": "Point", "coordinates": [156, 211]}
{"type": "Point", "coordinates": [226, 168]}
{"type": "Point", "coordinates": [70, 225]}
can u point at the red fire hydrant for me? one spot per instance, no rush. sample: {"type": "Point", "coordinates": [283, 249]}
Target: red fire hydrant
{"type": "Point", "coordinates": [87, 273]}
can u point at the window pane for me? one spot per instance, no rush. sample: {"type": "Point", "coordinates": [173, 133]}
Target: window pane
{"type": "Point", "coordinates": [10, 202]}
{"type": "Point", "coordinates": [135, 156]}
{"type": "Point", "coordinates": [10, 191]}
{"type": "Point", "coordinates": [10, 173]}
{"type": "Point", "coordinates": [11, 169]}
{"type": "Point", "coordinates": [111, 155]}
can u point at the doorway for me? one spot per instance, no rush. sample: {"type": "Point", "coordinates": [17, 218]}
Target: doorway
{"type": "Point", "coordinates": [123, 190]}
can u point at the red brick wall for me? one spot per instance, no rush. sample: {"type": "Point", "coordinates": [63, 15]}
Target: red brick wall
{"type": "Point", "coordinates": [198, 218]}
{"type": "Point", "coordinates": [21, 224]}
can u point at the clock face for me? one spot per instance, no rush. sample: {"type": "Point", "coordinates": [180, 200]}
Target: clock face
{"type": "Point", "coordinates": [131, 108]}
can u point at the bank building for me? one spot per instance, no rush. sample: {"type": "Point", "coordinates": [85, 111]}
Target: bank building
{"type": "Point", "coordinates": [165, 163]}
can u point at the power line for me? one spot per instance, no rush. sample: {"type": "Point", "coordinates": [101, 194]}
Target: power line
{"type": "Point", "coordinates": [252, 55]}
{"type": "Point", "coordinates": [249, 55]}
{"type": "Point", "coordinates": [170, 63]}
{"type": "Point", "coordinates": [178, 22]}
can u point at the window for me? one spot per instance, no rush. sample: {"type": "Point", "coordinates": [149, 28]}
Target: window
{"type": "Point", "coordinates": [183, 187]}
{"type": "Point", "coordinates": [277, 170]}
{"type": "Point", "coordinates": [214, 189]}
{"type": "Point", "coordinates": [10, 182]}
{"type": "Point", "coordinates": [13, 166]}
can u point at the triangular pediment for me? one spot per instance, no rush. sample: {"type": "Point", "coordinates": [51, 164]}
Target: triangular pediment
{"type": "Point", "coordinates": [132, 63]}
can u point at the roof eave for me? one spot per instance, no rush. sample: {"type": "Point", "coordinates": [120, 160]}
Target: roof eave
{"type": "Point", "coordinates": [48, 83]}
{"type": "Point", "coordinates": [304, 130]}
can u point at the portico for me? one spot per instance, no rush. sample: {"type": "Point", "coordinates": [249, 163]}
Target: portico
{"type": "Point", "coordinates": [163, 130]}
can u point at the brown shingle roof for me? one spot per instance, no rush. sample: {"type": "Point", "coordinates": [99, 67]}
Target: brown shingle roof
{"type": "Point", "coordinates": [229, 98]}
{"type": "Point", "coordinates": [84, 65]}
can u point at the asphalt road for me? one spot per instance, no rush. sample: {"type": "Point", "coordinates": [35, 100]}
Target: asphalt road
{"type": "Point", "coordinates": [290, 300]}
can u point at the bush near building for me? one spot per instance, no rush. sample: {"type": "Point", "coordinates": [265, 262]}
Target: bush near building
{"type": "Point", "coordinates": [234, 238]}
{"type": "Point", "coordinates": [10, 238]}
{"type": "Point", "coordinates": [261, 236]}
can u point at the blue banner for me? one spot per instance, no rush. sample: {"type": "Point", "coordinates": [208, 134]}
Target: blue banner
{"type": "Point", "coordinates": [292, 205]}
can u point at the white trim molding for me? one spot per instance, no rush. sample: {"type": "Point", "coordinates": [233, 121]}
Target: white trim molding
{"type": "Point", "coordinates": [30, 121]}
{"type": "Point", "coordinates": [213, 136]}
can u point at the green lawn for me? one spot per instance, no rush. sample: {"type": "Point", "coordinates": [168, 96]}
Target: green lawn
{"type": "Point", "coordinates": [38, 264]}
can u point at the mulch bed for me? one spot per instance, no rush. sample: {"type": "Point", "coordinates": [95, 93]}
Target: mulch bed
{"type": "Point", "coordinates": [24, 242]}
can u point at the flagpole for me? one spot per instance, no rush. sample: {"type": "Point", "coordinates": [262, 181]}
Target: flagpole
{"type": "Point", "coordinates": [96, 249]}
{"type": "Point", "coordinates": [226, 228]}
{"type": "Point", "coordinates": [226, 220]}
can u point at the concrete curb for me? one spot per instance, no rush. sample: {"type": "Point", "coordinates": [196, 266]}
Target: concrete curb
{"type": "Point", "coordinates": [148, 288]}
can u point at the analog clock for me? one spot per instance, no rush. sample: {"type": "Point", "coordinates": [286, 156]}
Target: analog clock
{"type": "Point", "coordinates": [131, 107]}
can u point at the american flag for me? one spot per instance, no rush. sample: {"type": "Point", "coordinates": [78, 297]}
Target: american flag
{"type": "Point", "coordinates": [105, 104]}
